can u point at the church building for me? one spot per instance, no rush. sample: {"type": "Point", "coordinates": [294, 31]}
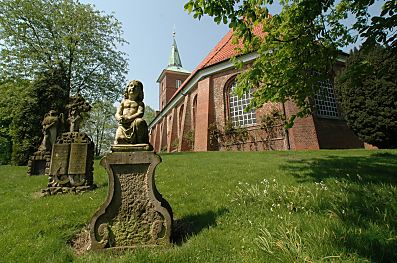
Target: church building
{"type": "Point", "coordinates": [200, 112]}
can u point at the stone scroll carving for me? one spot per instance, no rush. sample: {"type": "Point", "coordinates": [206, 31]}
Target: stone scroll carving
{"type": "Point", "coordinates": [134, 213]}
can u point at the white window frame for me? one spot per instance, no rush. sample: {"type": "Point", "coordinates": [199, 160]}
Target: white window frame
{"type": "Point", "coordinates": [237, 115]}
{"type": "Point", "coordinates": [325, 101]}
{"type": "Point", "coordinates": [178, 83]}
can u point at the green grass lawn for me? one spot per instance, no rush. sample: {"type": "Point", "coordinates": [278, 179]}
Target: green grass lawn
{"type": "Point", "coordinates": [306, 206]}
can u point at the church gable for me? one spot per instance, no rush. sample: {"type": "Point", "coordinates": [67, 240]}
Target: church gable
{"type": "Point", "coordinates": [204, 114]}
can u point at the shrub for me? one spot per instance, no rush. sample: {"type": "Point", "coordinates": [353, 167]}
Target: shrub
{"type": "Point", "coordinates": [367, 91]}
{"type": "Point", "coordinates": [48, 92]}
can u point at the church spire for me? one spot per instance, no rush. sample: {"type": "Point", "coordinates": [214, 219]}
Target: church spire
{"type": "Point", "coordinates": [175, 59]}
{"type": "Point", "coordinates": [174, 62]}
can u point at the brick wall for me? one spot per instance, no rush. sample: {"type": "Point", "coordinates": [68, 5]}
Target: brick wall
{"type": "Point", "coordinates": [202, 115]}
{"type": "Point", "coordinates": [335, 134]}
{"type": "Point", "coordinates": [206, 106]}
{"type": "Point", "coordinates": [168, 87]}
{"type": "Point", "coordinates": [303, 134]}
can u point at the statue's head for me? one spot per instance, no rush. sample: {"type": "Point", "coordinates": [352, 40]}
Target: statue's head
{"type": "Point", "coordinates": [138, 89]}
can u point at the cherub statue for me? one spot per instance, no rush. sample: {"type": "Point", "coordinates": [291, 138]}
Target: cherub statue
{"type": "Point", "coordinates": [132, 128]}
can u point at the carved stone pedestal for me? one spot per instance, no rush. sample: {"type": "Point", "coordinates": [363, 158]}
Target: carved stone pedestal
{"type": "Point", "coordinates": [134, 213]}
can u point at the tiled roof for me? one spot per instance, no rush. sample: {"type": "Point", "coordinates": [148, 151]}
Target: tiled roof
{"type": "Point", "coordinates": [223, 51]}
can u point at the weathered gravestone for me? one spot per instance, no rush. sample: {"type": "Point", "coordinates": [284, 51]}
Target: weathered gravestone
{"type": "Point", "coordinates": [71, 168]}
{"type": "Point", "coordinates": [134, 213]}
{"type": "Point", "coordinates": [72, 155]}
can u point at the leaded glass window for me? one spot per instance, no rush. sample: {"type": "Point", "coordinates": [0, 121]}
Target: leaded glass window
{"type": "Point", "coordinates": [238, 116]}
{"type": "Point", "coordinates": [325, 101]}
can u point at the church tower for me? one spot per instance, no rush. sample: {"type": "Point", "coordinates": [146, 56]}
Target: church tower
{"type": "Point", "coordinates": [172, 77]}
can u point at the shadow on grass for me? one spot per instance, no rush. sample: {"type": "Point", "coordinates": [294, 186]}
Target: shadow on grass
{"type": "Point", "coordinates": [366, 203]}
{"type": "Point", "coordinates": [378, 168]}
{"type": "Point", "coordinates": [191, 225]}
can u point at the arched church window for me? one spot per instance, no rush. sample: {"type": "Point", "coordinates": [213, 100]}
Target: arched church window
{"type": "Point", "coordinates": [237, 114]}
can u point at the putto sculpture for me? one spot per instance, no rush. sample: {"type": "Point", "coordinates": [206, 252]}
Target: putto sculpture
{"type": "Point", "coordinates": [132, 128]}
{"type": "Point", "coordinates": [134, 213]}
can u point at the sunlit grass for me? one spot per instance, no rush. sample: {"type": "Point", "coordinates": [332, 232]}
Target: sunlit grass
{"type": "Point", "coordinates": [314, 206]}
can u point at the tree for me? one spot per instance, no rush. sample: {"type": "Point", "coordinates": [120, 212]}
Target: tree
{"type": "Point", "coordinates": [367, 91]}
{"type": "Point", "coordinates": [9, 95]}
{"type": "Point", "coordinates": [26, 111]}
{"type": "Point", "coordinates": [149, 115]}
{"type": "Point", "coordinates": [40, 35]}
{"type": "Point", "coordinates": [100, 125]}
{"type": "Point", "coordinates": [301, 43]}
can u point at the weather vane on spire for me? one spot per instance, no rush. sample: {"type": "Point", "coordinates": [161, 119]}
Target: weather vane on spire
{"type": "Point", "coordinates": [173, 31]}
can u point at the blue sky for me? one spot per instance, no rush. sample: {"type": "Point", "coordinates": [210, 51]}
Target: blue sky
{"type": "Point", "coordinates": [148, 27]}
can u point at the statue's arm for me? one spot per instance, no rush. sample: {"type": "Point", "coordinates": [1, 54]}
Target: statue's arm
{"type": "Point", "coordinates": [141, 110]}
{"type": "Point", "coordinates": [119, 112]}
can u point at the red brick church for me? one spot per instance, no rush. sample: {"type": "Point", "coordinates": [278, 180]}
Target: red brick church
{"type": "Point", "coordinates": [200, 112]}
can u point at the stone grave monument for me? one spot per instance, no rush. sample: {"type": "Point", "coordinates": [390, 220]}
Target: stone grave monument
{"type": "Point", "coordinates": [72, 155]}
{"type": "Point", "coordinates": [134, 213]}
{"type": "Point", "coordinates": [39, 162]}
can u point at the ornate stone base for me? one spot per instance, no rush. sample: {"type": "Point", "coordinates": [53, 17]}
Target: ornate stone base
{"type": "Point", "coordinates": [134, 213]}
{"type": "Point", "coordinates": [39, 163]}
{"type": "Point", "coordinates": [66, 190]}
{"type": "Point", "coordinates": [131, 148]}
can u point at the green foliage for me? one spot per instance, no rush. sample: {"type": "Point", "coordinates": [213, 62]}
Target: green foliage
{"type": "Point", "coordinates": [381, 28]}
{"type": "Point", "coordinates": [149, 115]}
{"type": "Point", "coordinates": [100, 125]}
{"type": "Point", "coordinates": [367, 91]}
{"type": "Point", "coordinates": [27, 110]}
{"type": "Point", "coordinates": [298, 47]}
{"type": "Point", "coordinates": [175, 144]}
{"type": "Point", "coordinates": [5, 149]}
{"type": "Point", "coordinates": [279, 206]}
{"type": "Point", "coordinates": [38, 35]}
{"type": "Point", "coordinates": [8, 100]}
{"type": "Point", "coordinates": [228, 136]}
{"type": "Point", "coordinates": [189, 137]}
{"type": "Point", "coordinates": [272, 122]}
